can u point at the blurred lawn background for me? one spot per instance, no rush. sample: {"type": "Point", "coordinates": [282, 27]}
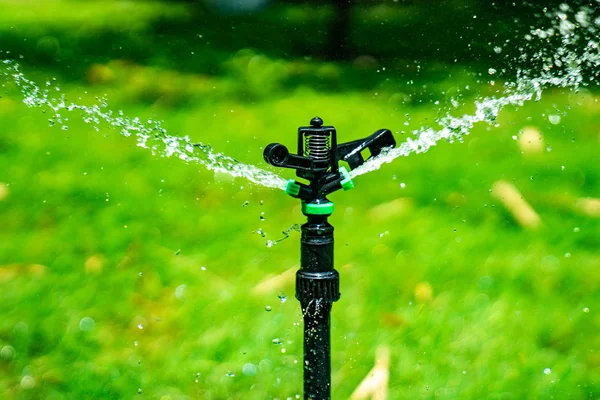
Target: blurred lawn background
{"type": "Point", "coordinates": [125, 275]}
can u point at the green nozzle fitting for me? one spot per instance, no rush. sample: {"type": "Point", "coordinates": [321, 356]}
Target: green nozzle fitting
{"type": "Point", "coordinates": [346, 182]}
{"type": "Point", "coordinates": [317, 208]}
{"type": "Point", "coordinates": [292, 188]}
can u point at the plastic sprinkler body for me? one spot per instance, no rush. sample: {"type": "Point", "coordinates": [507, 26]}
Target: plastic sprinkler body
{"type": "Point", "coordinates": [317, 282]}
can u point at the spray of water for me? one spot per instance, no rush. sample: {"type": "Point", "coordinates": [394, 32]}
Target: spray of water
{"type": "Point", "coordinates": [565, 55]}
{"type": "Point", "coordinates": [150, 134]}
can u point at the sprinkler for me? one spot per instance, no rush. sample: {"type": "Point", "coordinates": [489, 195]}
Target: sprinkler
{"type": "Point", "coordinates": [317, 282]}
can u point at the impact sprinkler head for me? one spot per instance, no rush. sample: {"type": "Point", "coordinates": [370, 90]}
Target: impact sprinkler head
{"type": "Point", "coordinates": [318, 160]}
{"type": "Point", "coordinates": [317, 282]}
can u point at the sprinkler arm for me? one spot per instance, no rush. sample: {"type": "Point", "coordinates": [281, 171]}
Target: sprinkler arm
{"type": "Point", "coordinates": [279, 156]}
{"type": "Point", "coordinates": [351, 151]}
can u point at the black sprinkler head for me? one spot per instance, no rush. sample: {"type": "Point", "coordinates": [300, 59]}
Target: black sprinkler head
{"type": "Point", "coordinates": [318, 157]}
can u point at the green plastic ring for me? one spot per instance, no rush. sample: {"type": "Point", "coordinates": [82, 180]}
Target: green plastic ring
{"type": "Point", "coordinates": [317, 208]}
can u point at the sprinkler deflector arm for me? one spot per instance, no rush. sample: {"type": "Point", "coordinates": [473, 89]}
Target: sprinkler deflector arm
{"type": "Point", "coordinates": [317, 282]}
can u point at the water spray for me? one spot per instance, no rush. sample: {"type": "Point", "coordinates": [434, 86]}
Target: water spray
{"type": "Point", "coordinates": [317, 282]}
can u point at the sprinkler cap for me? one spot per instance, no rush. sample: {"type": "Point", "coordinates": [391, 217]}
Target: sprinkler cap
{"type": "Point", "coordinates": [292, 188]}
{"type": "Point", "coordinates": [346, 181]}
{"type": "Point", "coordinates": [317, 208]}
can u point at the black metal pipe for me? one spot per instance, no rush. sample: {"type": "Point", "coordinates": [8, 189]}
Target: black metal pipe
{"type": "Point", "coordinates": [317, 288]}
{"type": "Point", "coordinates": [317, 351]}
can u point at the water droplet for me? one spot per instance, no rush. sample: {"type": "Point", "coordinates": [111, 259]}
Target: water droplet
{"type": "Point", "coordinates": [178, 252]}
{"type": "Point", "coordinates": [576, 229]}
{"type": "Point", "coordinates": [180, 292]}
{"type": "Point", "coordinates": [139, 391]}
{"type": "Point", "coordinates": [140, 273]}
{"type": "Point", "coordinates": [271, 243]}
{"type": "Point", "coordinates": [277, 341]}
{"type": "Point", "coordinates": [7, 353]}
{"type": "Point", "coordinates": [547, 371]}
{"type": "Point", "coordinates": [136, 343]}
{"type": "Point", "coordinates": [140, 326]}
{"type": "Point", "coordinates": [402, 185]}
{"type": "Point", "coordinates": [497, 49]}
{"type": "Point", "coordinates": [554, 119]}
{"type": "Point", "coordinates": [567, 255]}
{"type": "Point", "coordinates": [491, 71]}
{"type": "Point", "coordinates": [230, 374]}
{"type": "Point", "coordinates": [249, 369]}
{"type": "Point", "coordinates": [268, 308]}
{"type": "Point", "coordinates": [282, 297]}
{"type": "Point", "coordinates": [87, 324]}
{"type": "Point", "coordinates": [27, 382]}
{"type": "Point", "coordinates": [203, 268]}
{"type": "Point", "coordinates": [245, 203]}
{"type": "Point", "coordinates": [64, 127]}
{"type": "Point", "coordinates": [586, 310]}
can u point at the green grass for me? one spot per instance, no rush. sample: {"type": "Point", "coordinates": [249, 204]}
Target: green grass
{"type": "Point", "coordinates": [92, 226]}
{"type": "Point", "coordinates": [506, 302]}
{"type": "Point", "coordinates": [95, 14]}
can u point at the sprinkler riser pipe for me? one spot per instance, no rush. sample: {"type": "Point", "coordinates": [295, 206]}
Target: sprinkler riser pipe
{"type": "Point", "coordinates": [317, 288]}
{"type": "Point", "coordinates": [317, 351]}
